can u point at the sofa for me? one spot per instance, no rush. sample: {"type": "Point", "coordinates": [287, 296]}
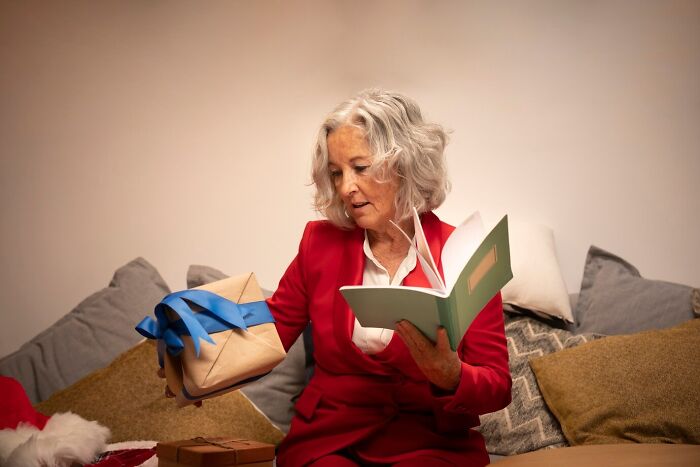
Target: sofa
{"type": "Point", "coordinates": [615, 363]}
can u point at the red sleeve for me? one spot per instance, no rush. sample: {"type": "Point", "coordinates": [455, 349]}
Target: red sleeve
{"type": "Point", "coordinates": [485, 382]}
{"type": "Point", "coordinates": [289, 303]}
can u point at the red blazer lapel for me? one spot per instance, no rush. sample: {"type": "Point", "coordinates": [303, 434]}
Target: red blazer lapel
{"type": "Point", "coordinates": [351, 264]}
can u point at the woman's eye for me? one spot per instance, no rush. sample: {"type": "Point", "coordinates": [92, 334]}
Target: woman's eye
{"type": "Point", "coordinates": [361, 168]}
{"type": "Point", "coordinates": [335, 173]}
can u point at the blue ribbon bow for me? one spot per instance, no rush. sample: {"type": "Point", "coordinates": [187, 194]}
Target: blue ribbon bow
{"type": "Point", "coordinates": [218, 314]}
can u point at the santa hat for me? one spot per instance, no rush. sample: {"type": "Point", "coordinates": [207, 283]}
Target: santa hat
{"type": "Point", "coordinates": [29, 438]}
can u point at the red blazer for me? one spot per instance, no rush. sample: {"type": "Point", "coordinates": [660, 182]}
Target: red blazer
{"type": "Point", "coordinates": [381, 406]}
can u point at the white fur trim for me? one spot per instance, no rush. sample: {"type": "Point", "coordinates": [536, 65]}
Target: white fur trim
{"type": "Point", "coordinates": [65, 439]}
{"type": "Point", "coordinates": [144, 444]}
{"type": "Point", "coordinates": [11, 439]}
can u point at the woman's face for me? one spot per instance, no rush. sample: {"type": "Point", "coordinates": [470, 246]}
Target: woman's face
{"type": "Point", "coordinates": [369, 202]}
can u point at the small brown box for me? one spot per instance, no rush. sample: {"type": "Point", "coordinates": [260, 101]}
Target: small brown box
{"type": "Point", "coordinates": [214, 452]}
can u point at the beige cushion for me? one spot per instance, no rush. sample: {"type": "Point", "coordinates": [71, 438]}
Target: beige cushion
{"type": "Point", "coordinates": [537, 283]}
{"type": "Point", "coordinates": [128, 398]}
{"type": "Point", "coordinates": [639, 388]}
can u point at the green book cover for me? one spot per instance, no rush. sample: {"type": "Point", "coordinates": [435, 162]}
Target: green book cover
{"type": "Point", "coordinates": [476, 268]}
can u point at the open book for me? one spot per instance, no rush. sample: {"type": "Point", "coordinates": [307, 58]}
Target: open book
{"type": "Point", "coordinates": [476, 267]}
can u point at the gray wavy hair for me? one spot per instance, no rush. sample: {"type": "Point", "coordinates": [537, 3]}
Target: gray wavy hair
{"type": "Point", "coordinates": [402, 144]}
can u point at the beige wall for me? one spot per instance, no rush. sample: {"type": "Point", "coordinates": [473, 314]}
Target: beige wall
{"type": "Point", "coordinates": [180, 131]}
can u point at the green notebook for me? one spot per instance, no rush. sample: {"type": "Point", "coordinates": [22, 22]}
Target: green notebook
{"type": "Point", "coordinates": [476, 267]}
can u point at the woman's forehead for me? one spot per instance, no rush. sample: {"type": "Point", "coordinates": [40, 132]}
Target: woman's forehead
{"type": "Point", "coordinates": [346, 144]}
{"type": "Point", "coordinates": [352, 160]}
{"type": "Point", "coordinates": [347, 134]}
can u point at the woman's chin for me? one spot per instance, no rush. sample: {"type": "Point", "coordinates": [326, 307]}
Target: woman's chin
{"type": "Point", "coordinates": [373, 225]}
{"type": "Point", "coordinates": [364, 223]}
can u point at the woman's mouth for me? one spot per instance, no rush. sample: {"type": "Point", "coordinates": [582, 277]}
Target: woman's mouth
{"type": "Point", "coordinates": [359, 205]}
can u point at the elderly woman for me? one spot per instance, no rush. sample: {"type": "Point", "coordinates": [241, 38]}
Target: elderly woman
{"type": "Point", "coordinates": [379, 396]}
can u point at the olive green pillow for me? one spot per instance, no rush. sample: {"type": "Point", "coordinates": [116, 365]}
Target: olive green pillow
{"type": "Point", "coordinates": [128, 398]}
{"type": "Point", "coordinates": [639, 388]}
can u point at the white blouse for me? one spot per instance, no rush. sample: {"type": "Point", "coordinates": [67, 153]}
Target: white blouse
{"type": "Point", "coordinates": [374, 340]}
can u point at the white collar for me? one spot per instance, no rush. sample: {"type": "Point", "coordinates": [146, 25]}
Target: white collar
{"type": "Point", "coordinates": [406, 266]}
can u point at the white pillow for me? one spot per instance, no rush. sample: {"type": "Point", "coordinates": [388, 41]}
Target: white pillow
{"type": "Point", "coordinates": [537, 282]}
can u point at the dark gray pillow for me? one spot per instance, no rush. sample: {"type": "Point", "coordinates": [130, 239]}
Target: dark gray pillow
{"type": "Point", "coordinates": [616, 299]}
{"type": "Point", "coordinates": [527, 424]}
{"type": "Point", "coordinates": [199, 275]}
{"type": "Point", "coordinates": [89, 337]}
{"type": "Point", "coordinates": [275, 393]}
{"type": "Point", "coordinates": [552, 321]}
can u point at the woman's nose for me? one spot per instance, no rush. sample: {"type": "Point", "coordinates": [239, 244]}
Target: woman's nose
{"type": "Point", "coordinates": [348, 185]}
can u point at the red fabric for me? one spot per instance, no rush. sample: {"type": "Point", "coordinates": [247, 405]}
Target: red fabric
{"type": "Point", "coordinates": [15, 406]}
{"type": "Point", "coordinates": [124, 458]}
{"type": "Point", "coordinates": [333, 460]}
{"type": "Point", "coordinates": [381, 406]}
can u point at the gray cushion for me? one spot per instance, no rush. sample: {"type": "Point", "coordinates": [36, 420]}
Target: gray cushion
{"type": "Point", "coordinates": [199, 275]}
{"type": "Point", "coordinates": [527, 424]}
{"type": "Point", "coordinates": [616, 299]}
{"type": "Point", "coordinates": [89, 337]}
{"type": "Point", "coordinates": [276, 393]}
{"type": "Point", "coordinates": [552, 321]}
{"type": "Point", "coordinates": [573, 300]}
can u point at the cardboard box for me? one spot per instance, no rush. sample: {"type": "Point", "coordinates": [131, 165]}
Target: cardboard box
{"type": "Point", "coordinates": [237, 357]}
{"type": "Point", "coordinates": [214, 452]}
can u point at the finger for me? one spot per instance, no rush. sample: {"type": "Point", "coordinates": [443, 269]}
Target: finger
{"type": "Point", "coordinates": [420, 341]}
{"type": "Point", "coordinates": [408, 337]}
{"type": "Point", "coordinates": [168, 392]}
{"type": "Point", "coordinates": [161, 372]}
{"type": "Point", "coordinates": [420, 348]}
{"type": "Point", "coordinates": [443, 341]}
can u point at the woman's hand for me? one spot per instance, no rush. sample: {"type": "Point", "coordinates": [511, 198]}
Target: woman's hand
{"type": "Point", "coordinates": [168, 392]}
{"type": "Point", "coordinates": [437, 361]}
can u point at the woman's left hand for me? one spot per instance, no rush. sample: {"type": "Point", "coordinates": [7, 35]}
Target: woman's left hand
{"type": "Point", "coordinates": [437, 361]}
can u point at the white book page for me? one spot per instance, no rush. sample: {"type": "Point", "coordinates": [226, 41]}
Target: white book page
{"type": "Point", "coordinates": [460, 247]}
{"type": "Point", "coordinates": [434, 279]}
{"type": "Point", "coordinates": [425, 258]}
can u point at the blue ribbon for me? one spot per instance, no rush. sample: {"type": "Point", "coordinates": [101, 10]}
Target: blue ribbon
{"type": "Point", "coordinates": [218, 314]}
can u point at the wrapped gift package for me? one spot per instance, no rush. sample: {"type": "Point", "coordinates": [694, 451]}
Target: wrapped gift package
{"type": "Point", "coordinates": [214, 452]}
{"type": "Point", "coordinates": [215, 338]}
